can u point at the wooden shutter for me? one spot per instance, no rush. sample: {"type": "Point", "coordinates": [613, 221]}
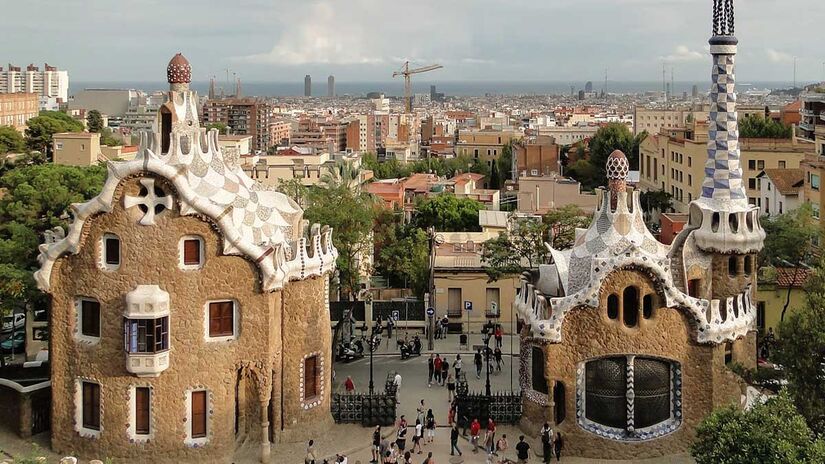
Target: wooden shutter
{"type": "Point", "coordinates": [91, 406]}
{"type": "Point", "coordinates": [221, 319]}
{"type": "Point", "coordinates": [198, 414]}
{"type": "Point", "coordinates": [142, 396]}
{"type": "Point", "coordinates": [191, 252]}
{"type": "Point", "coordinates": [112, 251]}
{"type": "Point", "coordinates": [310, 377]}
{"type": "Point", "coordinates": [90, 318]}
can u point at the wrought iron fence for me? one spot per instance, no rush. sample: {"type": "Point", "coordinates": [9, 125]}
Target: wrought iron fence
{"type": "Point", "coordinates": [363, 408]}
{"type": "Point", "coordinates": [337, 309]}
{"type": "Point", "coordinates": [504, 408]}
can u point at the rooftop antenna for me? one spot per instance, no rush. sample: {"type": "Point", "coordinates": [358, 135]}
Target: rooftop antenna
{"type": "Point", "coordinates": [672, 88]}
{"type": "Point", "coordinates": [664, 77]}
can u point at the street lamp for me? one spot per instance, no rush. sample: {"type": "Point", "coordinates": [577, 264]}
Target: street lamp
{"type": "Point", "coordinates": [486, 334]}
{"type": "Point", "coordinates": [373, 343]}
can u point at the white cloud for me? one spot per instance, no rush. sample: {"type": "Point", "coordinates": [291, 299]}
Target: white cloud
{"type": "Point", "coordinates": [775, 56]}
{"type": "Point", "coordinates": [683, 53]}
{"type": "Point", "coordinates": [477, 61]}
{"type": "Point", "coordinates": [319, 38]}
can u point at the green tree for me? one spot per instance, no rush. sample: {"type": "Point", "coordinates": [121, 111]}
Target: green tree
{"type": "Point", "coordinates": [656, 200]}
{"type": "Point", "coordinates": [562, 224]}
{"type": "Point", "coordinates": [94, 121]}
{"type": "Point", "coordinates": [40, 130]}
{"type": "Point", "coordinates": [106, 138]}
{"type": "Point", "coordinates": [585, 172]}
{"type": "Point", "coordinates": [769, 433]}
{"type": "Point", "coordinates": [495, 179]}
{"type": "Point", "coordinates": [790, 237]}
{"type": "Point", "coordinates": [404, 257]}
{"type": "Point", "coordinates": [757, 126]}
{"type": "Point", "coordinates": [520, 249]}
{"type": "Point", "coordinates": [351, 215]}
{"type": "Point", "coordinates": [341, 174]}
{"type": "Point", "coordinates": [505, 163]}
{"type": "Point", "coordinates": [11, 141]}
{"type": "Point", "coordinates": [447, 213]}
{"type": "Point", "coordinates": [293, 188]}
{"type": "Point", "coordinates": [801, 352]}
{"type": "Point", "coordinates": [613, 136]}
{"type": "Point", "coordinates": [222, 128]}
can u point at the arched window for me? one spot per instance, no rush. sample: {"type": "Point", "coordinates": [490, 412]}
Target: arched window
{"type": "Point", "coordinates": [559, 397]}
{"type": "Point", "coordinates": [647, 306]}
{"type": "Point", "coordinates": [733, 265]}
{"type": "Point", "coordinates": [714, 222]}
{"type": "Point", "coordinates": [613, 307]}
{"type": "Point", "coordinates": [630, 306]}
{"type": "Point", "coordinates": [733, 222]}
{"type": "Point", "coordinates": [653, 409]}
{"type": "Point", "coordinates": [748, 265]}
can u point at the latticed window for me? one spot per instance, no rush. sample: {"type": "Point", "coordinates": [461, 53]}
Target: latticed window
{"type": "Point", "coordinates": [630, 397]}
{"type": "Point", "coordinates": [147, 335]}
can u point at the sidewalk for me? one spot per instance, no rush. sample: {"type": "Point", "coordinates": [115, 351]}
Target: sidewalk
{"type": "Point", "coordinates": [450, 345]}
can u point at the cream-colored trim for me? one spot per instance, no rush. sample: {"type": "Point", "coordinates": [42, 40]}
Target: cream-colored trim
{"type": "Point", "coordinates": [202, 441]}
{"type": "Point", "coordinates": [235, 328]}
{"type": "Point", "coordinates": [78, 330]}
{"type": "Point", "coordinates": [131, 432]}
{"type": "Point", "coordinates": [191, 267]}
{"type": "Point", "coordinates": [78, 408]}
{"type": "Point", "coordinates": [101, 252]}
{"type": "Point", "coordinates": [309, 403]}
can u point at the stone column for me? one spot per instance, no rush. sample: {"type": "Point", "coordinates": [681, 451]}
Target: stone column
{"type": "Point", "coordinates": [25, 416]}
{"type": "Point", "coordinates": [265, 447]}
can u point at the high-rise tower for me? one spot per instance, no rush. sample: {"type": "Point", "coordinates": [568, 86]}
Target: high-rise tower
{"type": "Point", "coordinates": [331, 86]}
{"type": "Point", "coordinates": [307, 86]}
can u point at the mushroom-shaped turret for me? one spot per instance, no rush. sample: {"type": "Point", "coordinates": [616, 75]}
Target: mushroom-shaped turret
{"type": "Point", "coordinates": [617, 168]}
{"type": "Point", "coordinates": [179, 71]}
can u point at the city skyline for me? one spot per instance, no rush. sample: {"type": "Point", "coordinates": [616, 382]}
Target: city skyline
{"type": "Point", "coordinates": [361, 41]}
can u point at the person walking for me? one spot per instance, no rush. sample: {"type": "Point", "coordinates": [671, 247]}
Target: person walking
{"type": "Point", "coordinates": [546, 434]}
{"type": "Point", "coordinates": [401, 436]}
{"type": "Point", "coordinates": [420, 411]}
{"type": "Point", "coordinates": [451, 416]}
{"type": "Point", "coordinates": [475, 429]}
{"type": "Point", "coordinates": [376, 444]}
{"type": "Point", "coordinates": [457, 365]}
{"type": "Point", "coordinates": [490, 438]}
{"type": "Point", "coordinates": [397, 382]}
{"type": "Point", "coordinates": [310, 456]}
{"type": "Point", "coordinates": [501, 447]}
{"type": "Point", "coordinates": [445, 370]}
{"type": "Point", "coordinates": [499, 336]}
{"type": "Point", "coordinates": [429, 424]}
{"type": "Point", "coordinates": [522, 450]}
{"type": "Point", "coordinates": [558, 444]}
{"type": "Point", "coordinates": [349, 385]}
{"type": "Point", "coordinates": [478, 362]}
{"type": "Point", "coordinates": [384, 447]}
{"type": "Point", "coordinates": [430, 367]}
{"type": "Point", "coordinates": [454, 441]}
{"type": "Point", "coordinates": [437, 367]}
{"type": "Point", "coordinates": [429, 459]}
{"type": "Point", "coordinates": [497, 355]}
{"type": "Point", "coordinates": [450, 387]}
{"type": "Point", "coordinates": [418, 435]}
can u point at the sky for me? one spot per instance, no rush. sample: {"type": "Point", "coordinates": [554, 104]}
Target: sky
{"type": "Point", "coordinates": [366, 40]}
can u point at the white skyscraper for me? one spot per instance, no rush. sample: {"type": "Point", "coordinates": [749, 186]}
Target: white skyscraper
{"type": "Point", "coordinates": [47, 83]}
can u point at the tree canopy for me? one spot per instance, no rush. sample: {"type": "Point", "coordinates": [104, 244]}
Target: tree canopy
{"type": "Point", "coordinates": [447, 213]}
{"type": "Point", "coordinates": [585, 172]}
{"type": "Point", "coordinates": [757, 126]}
{"type": "Point", "coordinates": [790, 237]}
{"type": "Point", "coordinates": [94, 121]}
{"type": "Point", "coordinates": [11, 141]}
{"type": "Point", "coordinates": [801, 352]}
{"type": "Point", "coordinates": [403, 255]}
{"type": "Point", "coordinates": [392, 169]}
{"type": "Point", "coordinates": [562, 224]}
{"type": "Point", "coordinates": [769, 433]}
{"type": "Point", "coordinates": [221, 127]}
{"type": "Point", "coordinates": [613, 136]}
{"type": "Point", "coordinates": [40, 130]}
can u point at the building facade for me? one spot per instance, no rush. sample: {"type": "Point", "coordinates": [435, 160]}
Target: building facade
{"type": "Point", "coordinates": [243, 116]}
{"type": "Point", "coordinates": [51, 82]}
{"type": "Point", "coordinates": [181, 324]}
{"type": "Point", "coordinates": [626, 341]}
{"type": "Point", "coordinates": [17, 108]}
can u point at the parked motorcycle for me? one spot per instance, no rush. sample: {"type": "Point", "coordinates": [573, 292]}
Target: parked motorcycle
{"type": "Point", "coordinates": [350, 350]}
{"type": "Point", "coordinates": [410, 349]}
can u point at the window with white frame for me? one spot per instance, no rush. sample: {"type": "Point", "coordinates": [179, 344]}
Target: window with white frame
{"type": "Point", "coordinates": [191, 252]}
{"type": "Point", "coordinates": [198, 411]}
{"type": "Point", "coordinates": [221, 320]}
{"type": "Point", "coordinates": [87, 320]}
{"type": "Point", "coordinates": [87, 402]}
{"type": "Point", "coordinates": [110, 252]}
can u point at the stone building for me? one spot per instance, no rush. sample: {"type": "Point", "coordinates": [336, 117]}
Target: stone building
{"type": "Point", "coordinates": [626, 341]}
{"type": "Point", "coordinates": [189, 305]}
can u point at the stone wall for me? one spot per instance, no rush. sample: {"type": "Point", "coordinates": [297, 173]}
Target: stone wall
{"type": "Point", "coordinates": [246, 366]}
{"type": "Point", "coordinates": [588, 333]}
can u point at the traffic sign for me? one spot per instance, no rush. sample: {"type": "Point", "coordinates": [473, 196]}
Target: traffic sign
{"type": "Point", "coordinates": [396, 315]}
{"type": "Point", "coordinates": [468, 305]}
{"type": "Point", "coordinates": [431, 312]}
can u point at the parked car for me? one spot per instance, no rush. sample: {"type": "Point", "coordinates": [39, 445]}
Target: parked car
{"type": "Point", "coordinates": [18, 342]}
{"type": "Point", "coordinates": [16, 321]}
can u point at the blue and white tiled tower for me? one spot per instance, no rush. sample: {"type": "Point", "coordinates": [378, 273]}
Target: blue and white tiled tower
{"type": "Point", "coordinates": [726, 222]}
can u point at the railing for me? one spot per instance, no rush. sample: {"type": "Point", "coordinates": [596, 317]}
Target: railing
{"type": "Point", "coordinates": [454, 313]}
{"type": "Point", "coordinates": [503, 408]}
{"type": "Point", "coordinates": [492, 314]}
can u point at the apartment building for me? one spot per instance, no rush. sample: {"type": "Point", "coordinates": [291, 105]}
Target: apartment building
{"type": "Point", "coordinates": [812, 125]}
{"type": "Point", "coordinates": [536, 156]}
{"type": "Point", "coordinates": [111, 102]}
{"type": "Point", "coordinates": [243, 116]}
{"type": "Point", "coordinates": [484, 144]}
{"type": "Point", "coordinates": [781, 190]}
{"type": "Point", "coordinates": [674, 161]}
{"type": "Point", "coordinates": [320, 134]}
{"type": "Point", "coordinates": [280, 132]}
{"type": "Point", "coordinates": [568, 135]}
{"type": "Point", "coordinates": [17, 108]}
{"type": "Point", "coordinates": [653, 120]}
{"type": "Point", "coordinates": [51, 82]}
{"type": "Point", "coordinates": [84, 149]}
{"type": "Point", "coordinates": [304, 163]}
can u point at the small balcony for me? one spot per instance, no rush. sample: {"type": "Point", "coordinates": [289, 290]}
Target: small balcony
{"type": "Point", "coordinates": [146, 331]}
{"type": "Point", "coordinates": [454, 313]}
{"type": "Point", "coordinates": [490, 314]}
{"type": "Point", "coordinates": [147, 364]}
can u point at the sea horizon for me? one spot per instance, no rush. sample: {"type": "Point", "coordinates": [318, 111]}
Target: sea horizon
{"type": "Point", "coordinates": [449, 88]}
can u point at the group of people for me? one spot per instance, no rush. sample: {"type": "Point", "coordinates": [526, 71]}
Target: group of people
{"type": "Point", "coordinates": [438, 371]}
{"type": "Point", "coordinates": [384, 452]}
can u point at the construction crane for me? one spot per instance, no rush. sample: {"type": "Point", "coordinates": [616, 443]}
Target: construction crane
{"type": "Point", "coordinates": [407, 72]}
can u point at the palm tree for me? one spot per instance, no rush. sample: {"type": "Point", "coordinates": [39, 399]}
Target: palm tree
{"type": "Point", "coordinates": [341, 174]}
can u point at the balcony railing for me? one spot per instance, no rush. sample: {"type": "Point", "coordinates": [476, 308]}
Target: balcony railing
{"type": "Point", "coordinates": [454, 313]}
{"type": "Point", "coordinates": [492, 314]}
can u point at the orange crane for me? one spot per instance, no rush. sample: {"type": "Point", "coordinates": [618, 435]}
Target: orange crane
{"type": "Point", "coordinates": [407, 72]}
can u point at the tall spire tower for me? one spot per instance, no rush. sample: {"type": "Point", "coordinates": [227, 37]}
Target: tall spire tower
{"type": "Point", "coordinates": [726, 222]}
